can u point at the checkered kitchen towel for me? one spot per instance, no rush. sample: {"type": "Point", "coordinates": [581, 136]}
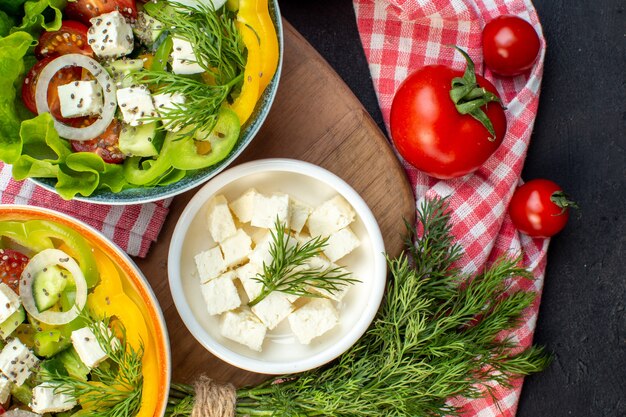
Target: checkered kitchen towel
{"type": "Point", "coordinates": [133, 228]}
{"type": "Point", "coordinates": [400, 36]}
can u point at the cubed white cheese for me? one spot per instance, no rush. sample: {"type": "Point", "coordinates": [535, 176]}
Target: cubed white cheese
{"type": "Point", "coordinates": [196, 4]}
{"type": "Point", "coordinates": [243, 207]}
{"type": "Point", "coordinates": [269, 208]}
{"type": "Point", "coordinates": [210, 264]}
{"type": "Point", "coordinates": [273, 309]}
{"type": "Point", "coordinates": [220, 294]}
{"type": "Point", "coordinates": [261, 254]}
{"type": "Point", "coordinates": [184, 60]}
{"type": "Point", "coordinates": [320, 263]}
{"type": "Point", "coordinates": [48, 398]}
{"type": "Point", "coordinates": [330, 217]}
{"type": "Point", "coordinates": [221, 223]}
{"type": "Point", "coordinates": [136, 104]}
{"type": "Point", "coordinates": [110, 35]}
{"type": "Point", "coordinates": [236, 248]}
{"type": "Point", "coordinates": [165, 102]}
{"type": "Point", "coordinates": [5, 389]}
{"type": "Point", "coordinates": [88, 348]}
{"type": "Point", "coordinates": [340, 244]}
{"type": "Point", "coordinates": [299, 214]}
{"type": "Point", "coordinates": [247, 274]}
{"type": "Point", "coordinates": [313, 319]}
{"type": "Point", "coordinates": [243, 327]}
{"type": "Point", "coordinates": [9, 302]}
{"type": "Point", "coordinates": [17, 361]}
{"type": "Point", "coordinates": [80, 98]}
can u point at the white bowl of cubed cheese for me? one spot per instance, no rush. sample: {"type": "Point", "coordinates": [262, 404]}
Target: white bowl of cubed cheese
{"type": "Point", "coordinates": [224, 247]}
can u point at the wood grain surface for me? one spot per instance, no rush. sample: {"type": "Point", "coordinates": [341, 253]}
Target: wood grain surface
{"type": "Point", "coordinates": [315, 118]}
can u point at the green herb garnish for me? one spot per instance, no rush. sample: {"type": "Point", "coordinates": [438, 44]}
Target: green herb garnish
{"type": "Point", "coordinates": [288, 271]}
{"type": "Point", "coordinates": [436, 336]}
{"type": "Point", "coordinates": [116, 385]}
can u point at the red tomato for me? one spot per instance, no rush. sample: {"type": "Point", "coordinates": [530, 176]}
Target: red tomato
{"type": "Point", "coordinates": [510, 45]}
{"type": "Point", "coordinates": [540, 208]}
{"type": "Point", "coordinates": [84, 10]}
{"type": "Point", "coordinates": [431, 134]}
{"type": "Point", "coordinates": [106, 145]}
{"type": "Point", "coordinates": [71, 38]}
{"type": "Point", "coordinates": [29, 87]}
{"type": "Point", "coordinates": [12, 263]}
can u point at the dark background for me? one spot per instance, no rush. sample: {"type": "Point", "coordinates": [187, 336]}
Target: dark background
{"type": "Point", "coordinates": [579, 142]}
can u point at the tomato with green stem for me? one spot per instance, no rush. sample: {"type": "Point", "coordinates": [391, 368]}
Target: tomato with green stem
{"type": "Point", "coordinates": [540, 208]}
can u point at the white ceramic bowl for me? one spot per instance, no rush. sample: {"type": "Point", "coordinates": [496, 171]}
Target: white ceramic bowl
{"type": "Point", "coordinates": [281, 351]}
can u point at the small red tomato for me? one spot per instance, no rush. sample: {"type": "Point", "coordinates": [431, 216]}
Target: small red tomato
{"type": "Point", "coordinates": [106, 145]}
{"type": "Point", "coordinates": [510, 45]}
{"type": "Point", "coordinates": [71, 38]}
{"type": "Point", "coordinates": [12, 263]}
{"type": "Point", "coordinates": [540, 208]}
{"type": "Point", "coordinates": [84, 10]}
{"type": "Point", "coordinates": [437, 134]}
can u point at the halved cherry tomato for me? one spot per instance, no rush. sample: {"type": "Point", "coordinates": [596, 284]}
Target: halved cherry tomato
{"type": "Point", "coordinates": [12, 264]}
{"type": "Point", "coordinates": [105, 145]}
{"type": "Point", "coordinates": [540, 208]}
{"type": "Point", "coordinates": [84, 10]}
{"type": "Point", "coordinates": [510, 45]}
{"type": "Point", "coordinates": [65, 76]}
{"type": "Point", "coordinates": [71, 38]}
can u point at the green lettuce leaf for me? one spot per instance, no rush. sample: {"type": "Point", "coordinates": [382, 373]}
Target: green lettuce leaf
{"type": "Point", "coordinates": [85, 172]}
{"type": "Point", "coordinates": [12, 51]}
{"type": "Point", "coordinates": [6, 23]}
{"type": "Point", "coordinates": [13, 7]}
{"type": "Point", "coordinates": [41, 14]}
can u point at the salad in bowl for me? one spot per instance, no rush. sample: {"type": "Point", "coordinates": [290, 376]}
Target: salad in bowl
{"type": "Point", "coordinates": [80, 331]}
{"type": "Point", "coordinates": [124, 101]}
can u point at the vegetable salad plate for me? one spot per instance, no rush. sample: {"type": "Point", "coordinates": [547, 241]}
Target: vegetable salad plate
{"type": "Point", "coordinates": [132, 102]}
{"type": "Point", "coordinates": [81, 329]}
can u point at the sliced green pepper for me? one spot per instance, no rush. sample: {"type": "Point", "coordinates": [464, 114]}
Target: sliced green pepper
{"type": "Point", "coordinates": [223, 137]}
{"type": "Point", "coordinates": [162, 54]}
{"type": "Point", "coordinates": [41, 229]}
{"type": "Point", "coordinates": [17, 232]}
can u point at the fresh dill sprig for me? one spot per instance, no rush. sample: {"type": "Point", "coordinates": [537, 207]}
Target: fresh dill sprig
{"type": "Point", "coordinates": [113, 391]}
{"type": "Point", "coordinates": [288, 271]}
{"type": "Point", "coordinates": [436, 336]}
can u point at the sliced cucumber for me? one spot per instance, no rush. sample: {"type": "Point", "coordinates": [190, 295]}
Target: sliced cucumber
{"type": "Point", "coordinates": [121, 68]}
{"type": "Point", "coordinates": [48, 285]}
{"type": "Point", "coordinates": [147, 29]}
{"type": "Point", "coordinates": [8, 326]}
{"type": "Point", "coordinates": [142, 140]}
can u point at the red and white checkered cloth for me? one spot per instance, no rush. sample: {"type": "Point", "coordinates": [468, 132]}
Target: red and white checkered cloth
{"type": "Point", "coordinates": [400, 36]}
{"type": "Point", "coordinates": [133, 228]}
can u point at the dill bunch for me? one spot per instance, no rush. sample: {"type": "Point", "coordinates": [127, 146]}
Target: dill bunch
{"type": "Point", "coordinates": [288, 272]}
{"type": "Point", "coordinates": [436, 336]}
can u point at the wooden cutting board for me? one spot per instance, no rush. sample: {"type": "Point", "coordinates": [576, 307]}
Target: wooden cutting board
{"type": "Point", "coordinates": [315, 118]}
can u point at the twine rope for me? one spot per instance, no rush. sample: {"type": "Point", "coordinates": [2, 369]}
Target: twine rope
{"type": "Point", "coordinates": [213, 399]}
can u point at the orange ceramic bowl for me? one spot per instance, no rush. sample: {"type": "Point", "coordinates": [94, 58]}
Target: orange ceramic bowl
{"type": "Point", "coordinates": [157, 355]}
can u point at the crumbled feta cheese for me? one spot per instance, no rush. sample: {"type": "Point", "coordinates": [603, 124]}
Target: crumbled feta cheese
{"type": "Point", "coordinates": [184, 60]}
{"type": "Point", "coordinates": [273, 309]}
{"type": "Point", "coordinates": [330, 217]}
{"type": "Point", "coordinates": [80, 98]}
{"type": "Point", "coordinates": [246, 275]}
{"type": "Point", "coordinates": [243, 327]}
{"type": "Point", "coordinates": [243, 207]}
{"type": "Point", "coordinates": [268, 208]}
{"type": "Point", "coordinates": [236, 248]}
{"type": "Point", "coordinates": [210, 264]}
{"type": "Point", "coordinates": [5, 389]}
{"type": "Point", "coordinates": [221, 223]}
{"type": "Point", "coordinates": [220, 294]}
{"type": "Point", "coordinates": [299, 214]}
{"type": "Point", "coordinates": [165, 102]}
{"type": "Point", "coordinates": [313, 319]}
{"type": "Point", "coordinates": [110, 35]}
{"type": "Point", "coordinates": [88, 348]}
{"type": "Point", "coordinates": [17, 361]}
{"type": "Point", "coordinates": [340, 244]}
{"type": "Point", "coordinates": [9, 302]}
{"type": "Point", "coordinates": [47, 398]}
{"type": "Point", "coordinates": [135, 104]}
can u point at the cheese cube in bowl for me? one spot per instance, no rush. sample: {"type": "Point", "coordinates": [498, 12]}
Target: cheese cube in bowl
{"type": "Point", "coordinates": [284, 329]}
